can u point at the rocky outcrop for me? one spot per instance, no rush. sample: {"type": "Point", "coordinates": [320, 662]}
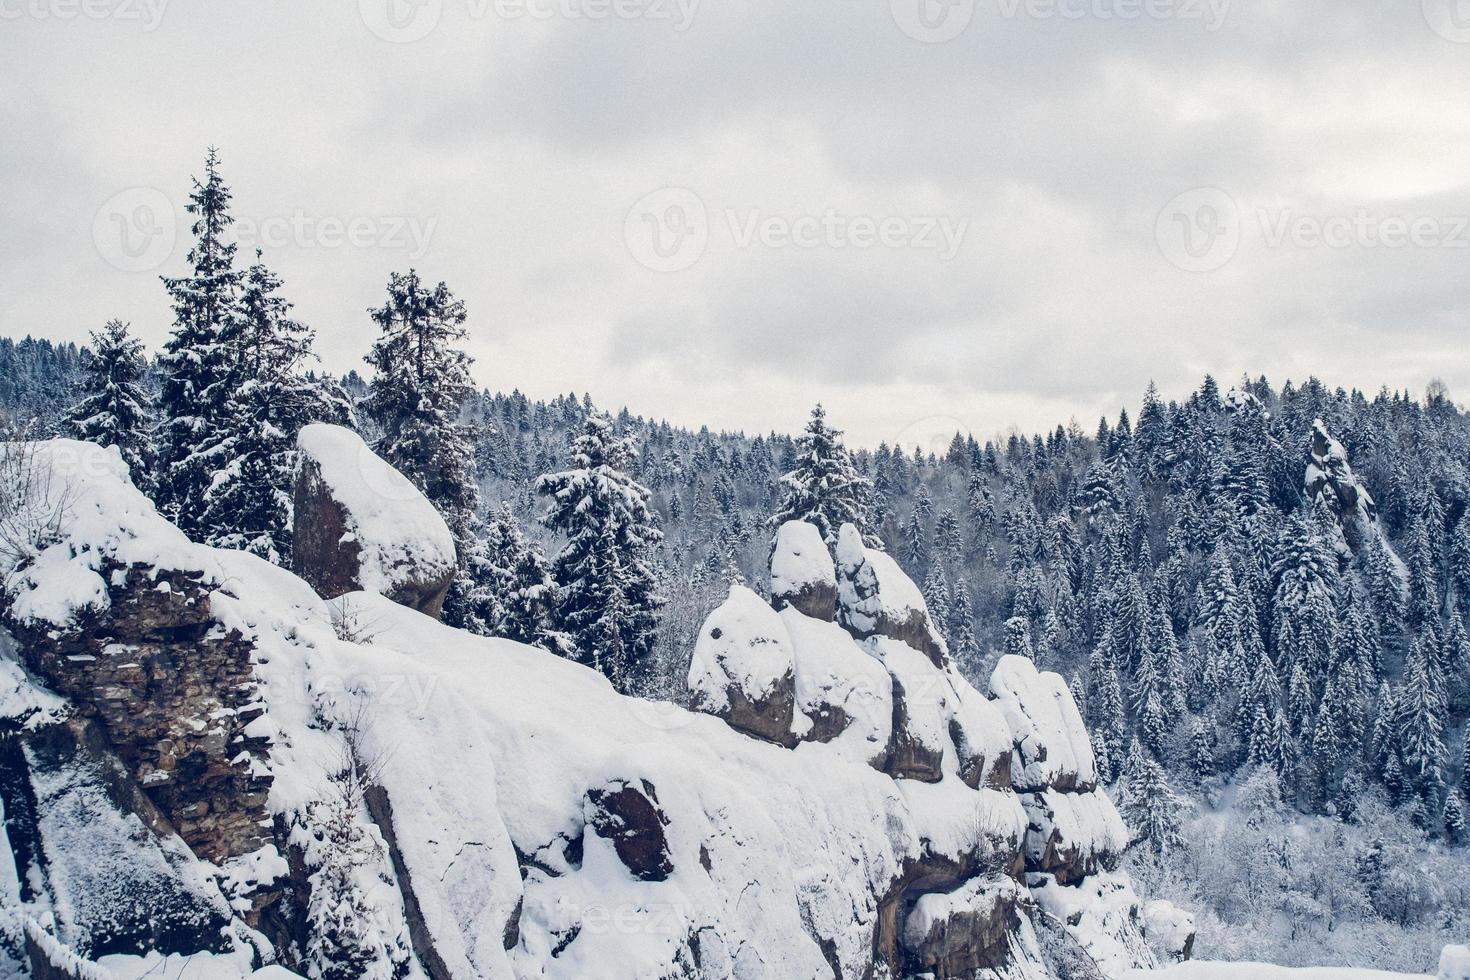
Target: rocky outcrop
{"type": "Point", "coordinates": [360, 524]}
{"type": "Point", "coordinates": [743, 668]}
{"type": "Point", "coordinates": [958, 933]}
{"type": "Point", "coordinates": [953, 909]}
{"type": "Point", "coordinates": [83, 835]}
{"type": "Point", "coordinates": [1331, 485]}
{"type": "Point", "coordinates": [1073, 830]}
{"type": "Point", "coordinates": [802, 575]}
{"type": "Point", "coordinates": [876, 598]}
{"type": "Point", "coordinates": [173, 694]}
{"type": "Point", "coordinates": [522, 817]}
{"type": "Point", "coordinates": [630, 818]}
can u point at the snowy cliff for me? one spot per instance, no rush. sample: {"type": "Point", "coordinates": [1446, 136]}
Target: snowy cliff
{"type": "Point", "coordinates": [348, 788]}
{"type": "Point", "coordinates": [1013, 830]}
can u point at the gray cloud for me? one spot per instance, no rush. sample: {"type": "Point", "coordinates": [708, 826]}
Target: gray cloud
{"type": "Point", "coordinates": [526, 142]}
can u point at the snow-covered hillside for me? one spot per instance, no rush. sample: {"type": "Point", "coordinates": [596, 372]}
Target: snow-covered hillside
{"type": "Point", "coordinates": [443, 805]}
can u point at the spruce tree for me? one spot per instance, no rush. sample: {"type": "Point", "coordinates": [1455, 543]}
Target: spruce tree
{"type": "Point", "coordinates": [420, 385]}
{"type": "Point", "coordinates": [196, 361]}
{"type": "Point", "coordinates": [824, 487]}
{"type": "Point", "coordinates": [1151, 808]}
{"type": "Point", "coordinates": [114, 409]}
{"type": "Point", "coordinates": [604, 571]}
{"type": "Point", "coordinates": [249, 504]}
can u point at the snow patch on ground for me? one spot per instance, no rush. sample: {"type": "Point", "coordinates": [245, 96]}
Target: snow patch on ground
{"type": "Point", "coordinates": [1204, 970]}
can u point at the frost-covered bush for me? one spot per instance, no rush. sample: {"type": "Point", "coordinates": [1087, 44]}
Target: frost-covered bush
{"type": "Point", "coordinates": [1268, 884]}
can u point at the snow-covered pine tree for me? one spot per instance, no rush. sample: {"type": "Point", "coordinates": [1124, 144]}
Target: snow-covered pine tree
{"type": "Point", "coordinates": [114, 409]}
{"type": "Point", "coordinates": [824, 487]}
{"type": "Point", "coordinates": [1421, 725]}
{"type": "Point", "coordinates": [420, 384]}
{"type": "Point", "coordinates": [608, 602]}
{"type": "Point", "coordinates": [1151, 808]}
{"type": "Point", "coordinates": [527, 595]}
{"type": "Point", "coordinates": [248, 505]}
{"type": "Point", "coordinates": [1454, 819]}
{"type": "Point", "coordinates": [196, 427]}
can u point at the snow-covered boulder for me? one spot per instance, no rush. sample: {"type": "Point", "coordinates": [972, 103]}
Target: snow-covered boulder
{"type": "Point", "coordinates": [981, 736]}
{"type": "Point", "coordinates": [876, 598]}
{"type": "Point", "coordinates": [1170, 932]}
{"type": "Point", "coordinates": [360, 524]}
{"type": "Point", "coordinates": [958, 933]}
{"type": "Point", "coordinates": [744, 670]}
{"type": "Point", "coordinates": [1454, 963]}
{"type": "Point", "coordinates": [1072, 835]}
{"type": "Point", "coordinates": [1103, 915]}
{"type": "Point", "coordinates": [802, 574]}
{"type": "Point", "coordinates": [845, 694]}
{"type": "Point", "coordinates": [1052, 749]}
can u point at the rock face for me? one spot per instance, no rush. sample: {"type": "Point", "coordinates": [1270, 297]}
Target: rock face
{"type": "Point", "coordinates": [1330, 483]}
{"type": "Point", "coordinates": [875, 598]}
{"type": "Point", "coordinates": [173, 694]}
{"type": "Point", "coordinates": [1073, 829]}
{"type": "Point", "coordinates": [629, 816]}
{"type": "Point", "coordinates": [967, 930]}
{"type": "Point", "coordinates": [359, 524]}
{"type": "Point", "coordinates": [507, 813]}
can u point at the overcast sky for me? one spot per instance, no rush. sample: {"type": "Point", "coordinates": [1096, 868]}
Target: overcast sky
{"type": "Point", "coordinates": [928, 214]}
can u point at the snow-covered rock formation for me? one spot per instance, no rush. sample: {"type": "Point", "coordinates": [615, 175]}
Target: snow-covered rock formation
{"type": "Point", "coordinates": [1331, 484]}
{"type": "Point", "coordinates": [199, 753]}
{"type": "Point", "coordinates": [1002, 791]}
{"type": "Point", "coordinates": [361, 525]}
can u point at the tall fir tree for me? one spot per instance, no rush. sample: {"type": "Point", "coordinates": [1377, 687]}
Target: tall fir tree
{"type": "Point", "coordinates": [420, 385]}
{"type": "Point", "coordinates": [604, 570]}
{"type": "Point", "coordinates": [248, 506]}
{"type": "Point", "coordinates": [196, 361]}
{"type": "Point", "coordinates": [824, 487]}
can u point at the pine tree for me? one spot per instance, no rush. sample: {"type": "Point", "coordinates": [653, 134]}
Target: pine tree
{"type": "Point", "coordinates": [1454, 819]}
{"type": "Point", "coordinates": [1018, 638]}
{"type": "Point", "coordinates": [1421, 725]}
{"type": "Point", "coordinates": [196, 362]}
{"type": "Point", "coordinates": [608, 603]}
{"type": "Point", "coordinates": [248, 506]}
{"type": "Point", "coordinates": [1151, 808]}
{"type": "Point", "coordinates": [114, 409]}
{"type": "Point", "coordinates": [420, 384]}
{"type": "Point", "coordinates": [824, 488]}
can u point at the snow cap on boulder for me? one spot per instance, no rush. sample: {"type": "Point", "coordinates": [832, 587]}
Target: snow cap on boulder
{"type": "Point", "coordinates": [362, 525]}
{"type": "Point", "coordinates": [743, 668]}
{"type": "Point", "coordinates": [876, 598]}
{"type": "Point", "coordinates": [802, 575]}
